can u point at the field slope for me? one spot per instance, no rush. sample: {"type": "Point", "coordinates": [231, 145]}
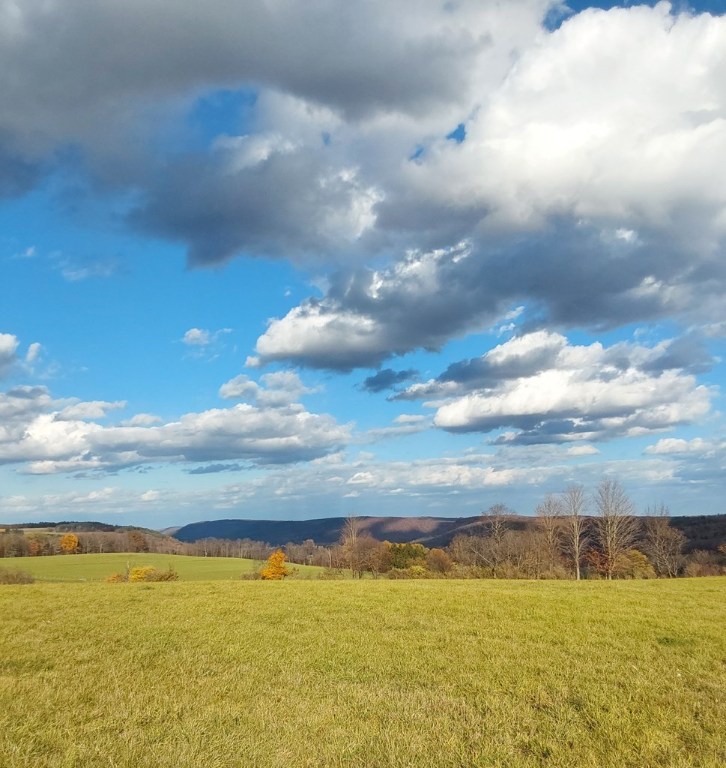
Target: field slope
{"type": "Point", "coordinates": [97, 567]}
{"type": "Point", "coordinates": [371, 673]}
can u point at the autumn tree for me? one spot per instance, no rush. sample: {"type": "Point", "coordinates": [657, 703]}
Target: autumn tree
{"type": "Point", "coordinates": [575, 525]}
{"type": "Point", "coordinates": [616, 527]}
{"type": "Point", "coordinates": [69, 543]}
{"type": "Point", "coordinates": [275, 570]}
{"type": "Point", "coordinates": [438, 561]}
{"type": "Point", "coordinates": [137, 542]}
{"type": "Point", "coordinates": [372, 555]}
{"type": "Point", "coordinates": [35, 545]}
{"type": "Point", "coordinates": [406, 554]}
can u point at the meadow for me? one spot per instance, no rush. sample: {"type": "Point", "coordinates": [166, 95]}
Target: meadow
{"type": "Point", "coordinates": [98, 567]}
{"type": "Point", "coordinates": [363, 673]}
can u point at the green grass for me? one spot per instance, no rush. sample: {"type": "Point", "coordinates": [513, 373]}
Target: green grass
{"type": "Point", "coordinates": [372, 673]}
{"type": "Point", "coordinates": [99, 567]}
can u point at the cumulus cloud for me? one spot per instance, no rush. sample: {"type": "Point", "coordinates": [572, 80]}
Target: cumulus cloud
{"type": "Point", "coordinates": [579, 189]}
{"type": "Point", "coordinates": [387, 379]}
{"type": "Point", "coordinates": [698, 462]}
{"type": "Point", "coordinates": [571, 276]}
{"type": "Point", "coordinates": [676, 446]}
{"type": "Point", "coordinates": [11, 360]}
{"type": "Point", "coordinates": [197, 337]}
{"type": "Point", "coordinates": [552, 391]}
{"type": "Point", "coordinates": [369, 315]}
{"type": "Point", "coordinates": [291, 201]}
{"type": "Point", "coordinates": [51, 435]}
{"type": "Point", "coordinates": [141, 420]}
{"type": "Point", "coordinates": [535, 352]}
{"type": "Point", "coordinates": [114, 68]}
{"type": "Point", "coordinates": [581, 178]}
{"type": "Point", "coordinates": [277, 389]}
{"type": "Point", "coordinates": [85, 411]}
{"type": "Point", "coordinates": [405, 424]}
{"type": "Point", "coordinates": [201, 343]}
{"type": "Point", "coordinates": [8, 352]}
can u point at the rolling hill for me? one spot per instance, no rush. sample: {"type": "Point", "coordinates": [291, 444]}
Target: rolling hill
{"type": "Point", "coordinates": [702, 531]}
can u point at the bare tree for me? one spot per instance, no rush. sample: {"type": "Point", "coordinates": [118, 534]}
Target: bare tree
{"type": "Point", "coordinates": [495, 519]}
{"type": "Point", "coordinates": [549, 520]}
{"type": "Point", "coordinates": [349, 537]}
{"type": "Point", "coordinates": [575, 525]}
{"type": "Point", "coordinates": [663, 543]}
{"type": "Point", "coordinates": [617, 529]}
{"type": "Point", "coordinates": [493, 549]}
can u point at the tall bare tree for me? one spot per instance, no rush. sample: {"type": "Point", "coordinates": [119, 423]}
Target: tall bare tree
{"type": "Point", "coordinates": [496, 523]}
{"type": "Point", "coordinates": [663, 543]}
{"type": "Point", "coordinates": [576, 526]}
{"type": "Point", "coordinates": [617, 528]}
{"type": "Point", "coordinates": [549, 520]}
{"type": "Point", "coordinates": [349, 539]}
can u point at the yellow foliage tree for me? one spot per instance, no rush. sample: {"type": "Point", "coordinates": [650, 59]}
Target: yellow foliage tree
{"type": "Point", "coordinates": [69, 543]}
{"type": "Point", "coordinates": [275, 570]}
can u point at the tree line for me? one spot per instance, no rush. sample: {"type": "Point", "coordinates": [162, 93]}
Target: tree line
{"type": "Point", "coordinates": [572, 535]}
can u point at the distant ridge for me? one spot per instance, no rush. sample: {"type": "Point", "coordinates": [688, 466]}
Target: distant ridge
{"type": "Point", "coordinates": [326, 530]}
{"type": "Point", "coordinates": [702, 531]}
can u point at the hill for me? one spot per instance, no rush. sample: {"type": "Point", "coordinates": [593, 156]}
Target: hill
{"type": "Point", "coordinates": [95, 567]}
{"type": "Point", "coordinates": [702, 531]}
{"type": "Point", "coordinates": [324, 530]}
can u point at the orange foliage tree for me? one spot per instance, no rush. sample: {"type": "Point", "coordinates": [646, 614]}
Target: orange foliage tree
{"type": "Point", "coordinates": [275, 568]}
{"type": "Point", "coordinates": [69, 543]}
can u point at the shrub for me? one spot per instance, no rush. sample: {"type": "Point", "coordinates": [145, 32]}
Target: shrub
{"type": "Point", "coordinates": [438, 561]}
{"type": "Point", "coordinates": [412, 572]}
{"type": "Point", "coordinates": [330, 574]}
{"type": "Point", "coordinates": [144, 573]}
{"type": "Point", "coordinates": [633, 564]}
{"type": "Point", "coordinates": [15, 576]}
{"type": "Point", "coordinates": [251, 576]}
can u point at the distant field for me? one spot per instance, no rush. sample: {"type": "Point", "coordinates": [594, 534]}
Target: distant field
{"type": "Point", "coordinates": [99, 567]}
{"type": "Point", "coordinates": [363, 674]}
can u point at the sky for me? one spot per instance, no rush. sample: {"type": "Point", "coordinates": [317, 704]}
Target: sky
{"type": "Point", "coordinates": [285, 259]}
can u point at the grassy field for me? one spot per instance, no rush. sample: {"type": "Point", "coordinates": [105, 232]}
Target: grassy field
{"type": "Point", "coordinates": [373, 673]}
{"type": "Point", "coordinates": [99, 567]}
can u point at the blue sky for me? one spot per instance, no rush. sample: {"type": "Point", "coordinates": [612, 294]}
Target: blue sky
{"type": "Point", "coordinates": [287, 260]}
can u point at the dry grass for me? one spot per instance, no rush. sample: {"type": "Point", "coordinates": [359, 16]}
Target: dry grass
{"type": "Point", "coordinates": [372, 673]}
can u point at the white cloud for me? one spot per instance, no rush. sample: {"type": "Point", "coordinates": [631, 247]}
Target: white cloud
{"type": "Point", "coordinates": [86, 411]}
{"type": "Point", "coordinates": [204, 344]}
{"type": "Point", "coordinates": [617, 115]}
{"type": "Point", "coordinates": [552, 391]}
{"type": "Point", "coordinates": [679, 446]}
{"type": "Point", "coordinates": [368, 316]}
{"type": "Point", "coordinates": [584, 187]}
{"type": "Point", "coordinates": [8, 352]}
{"type": "Point", "coordinates": [409, 418]}
{"type": "Point", "coordinates": [582, 450]}
{"type": "Point", "coordinates": [33, 352]}
{"type": "Point", "coordinates": [57, 436]}
{"type": "Point", "coordinates": [197, 337]}
{"type": "Point", "coordinates": [277, 389]}
{"type": "Point", "coordinates": [142, 420]}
